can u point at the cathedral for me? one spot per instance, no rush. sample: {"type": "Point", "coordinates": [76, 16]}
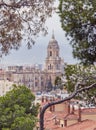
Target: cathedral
{"type": "Point", "coordinates": [54, 65]}
{"type": "Point", "coordinates": [35, 78]}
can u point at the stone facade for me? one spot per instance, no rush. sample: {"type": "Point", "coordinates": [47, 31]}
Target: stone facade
{"type": "Point", "coordinates": [54, 65]}
{"type": "Point", "coordinates": [35, 78]}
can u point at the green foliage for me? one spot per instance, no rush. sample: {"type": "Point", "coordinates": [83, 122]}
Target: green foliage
{"type": "Point", "coordinates": [49, 86]}
{"type": "Point", "coordinates": [78, 19]}
{"type": "Point", "coordinates": [57, 80]}
{"type": "Point", "coordinates": [17, 110]}
{"type": "Point", "coordinates": [85, 74]}
{"type": "Point", "coordinates": [69, 71]}
{"type": "Point", "coordinates": [58, 83]}
{"type": "Point", "coordinates": [24, 123]}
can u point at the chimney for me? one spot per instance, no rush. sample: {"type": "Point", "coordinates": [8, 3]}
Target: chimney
{"type": "Point", "coordinates": [46, 99]}
{"type": "Point", "coordinates": [53, 99]}
{"type": "Point", "coordinates": [65, 123]}
{"type": "Point", "coordinates": [67, 107]}
{"type": "Point", "coordinates": [51, 108]}
{"type": "Point", "coordinates": [42, 99]}
{"type": "Point", "coordinates": [79, 113]}
{"type": "Point", "coordinates": [68, 110]}
{"type": "Point", "coordinates": [72, 112]}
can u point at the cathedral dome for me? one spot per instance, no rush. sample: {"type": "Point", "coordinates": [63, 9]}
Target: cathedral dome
{"type": "Point", "coordinates": [53, 43]}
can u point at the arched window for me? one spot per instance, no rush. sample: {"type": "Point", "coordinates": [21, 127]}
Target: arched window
{"type": "Point", "coordinates": [50, 53]}
{"type": "Point", "coordinates": [48, 67]}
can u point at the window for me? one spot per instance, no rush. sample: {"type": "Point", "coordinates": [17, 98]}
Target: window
{"type": "Point", "coordinates": [41, 77]}
{"type": "Point", "coordinates": [36, 84]}
{"type": "Point", "coordinates": [50, 66]}
{"type": "Point", "coordinates": [50, 53]}
{"type": "Point", "coordinates": [42, 83]}
{"type": "Point", "coordinates": [62, 125]}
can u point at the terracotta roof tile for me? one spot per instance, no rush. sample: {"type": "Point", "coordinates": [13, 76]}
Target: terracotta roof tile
{"type": "Point", "coordinates": [89, 110]}
{"type": "Point", "coordinates": [71, 117]}
{"type": "Point", "coordinates": [84, 125]}
{"type": "Point", "coordinates": [49, 120]}
{"type": "Point", "coordinates": [60, 114]}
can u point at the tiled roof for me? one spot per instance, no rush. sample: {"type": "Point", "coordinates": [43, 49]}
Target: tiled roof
{"type": "Point", "coordinates": [51, 125]}
{"type": "Point", "coordinates": [84, 125]}
{"type": "Point", "coordinates": [49, 115]}
{"type": "Point", "coordinates": [60, 114]}
{"type": "Point", "coordinates": [49, 120]}
{"type": "Point", "coordinates": [71, 117]}
{"type": "Point", "coordinates": [89, 110]}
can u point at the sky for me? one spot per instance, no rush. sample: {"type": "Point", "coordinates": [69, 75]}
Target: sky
{"type": "Point", "coordinates": [38, 53]}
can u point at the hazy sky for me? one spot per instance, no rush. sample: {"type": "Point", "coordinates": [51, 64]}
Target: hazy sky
{"type": "Point", "coordinates": [38, 53]}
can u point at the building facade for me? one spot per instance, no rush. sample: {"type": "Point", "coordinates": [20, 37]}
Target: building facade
{"type": "Point", "coordinates": [54, 65]}
{"type": "Point", "coordinates": [31, 77]}
{"type": "Point", "coordinates": [35, 78]}
{"type": "Point", "coordinates": [5, 86]}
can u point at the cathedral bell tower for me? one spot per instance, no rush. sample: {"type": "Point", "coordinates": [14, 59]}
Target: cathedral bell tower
{"type": "Point", "coordinates": [53, 60]}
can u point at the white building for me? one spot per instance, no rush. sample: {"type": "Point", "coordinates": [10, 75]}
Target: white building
{"type": "Point", "coordinates": [5, 86]}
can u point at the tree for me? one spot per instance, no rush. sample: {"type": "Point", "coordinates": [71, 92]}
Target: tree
{"type": "Point", "coordinates": [78, 20]}
{"type": "Point", "coordinates": [22, 19]}
{"type": "Point", "coordinates": [49, 86]}
{"type": "Point", "coordinates": [17, 110]}
{"type": "Point", "coordinates": [87, 76]}
{"type": "Point", "coordinates": [58, 83]}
